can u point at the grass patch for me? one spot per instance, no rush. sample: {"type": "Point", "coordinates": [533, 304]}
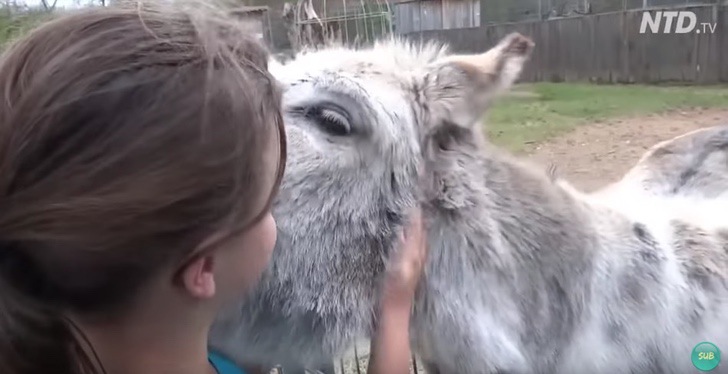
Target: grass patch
{"type": "Point", "coordinates": [535, 112]}
{"type": "Point", "coordinates": [15, 25]}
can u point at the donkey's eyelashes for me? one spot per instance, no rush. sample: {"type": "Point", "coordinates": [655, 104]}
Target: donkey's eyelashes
{"type": "Point", "coordinates": [330, 120]}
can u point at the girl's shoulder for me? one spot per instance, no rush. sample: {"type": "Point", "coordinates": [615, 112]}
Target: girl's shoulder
{"type": "Point", "coordinates": [223, 365]}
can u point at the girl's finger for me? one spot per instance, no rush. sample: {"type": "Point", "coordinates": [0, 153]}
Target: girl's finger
{"type": "Point", "coordinates": [414, 229]}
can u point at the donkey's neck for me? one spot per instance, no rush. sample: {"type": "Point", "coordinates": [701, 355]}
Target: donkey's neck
{"type": "Point", "coordinates": [536, 274]}
{"type": "Point", "coordinates": [510, 244]}
{"type": "Point", "coordinates": [504, 215]}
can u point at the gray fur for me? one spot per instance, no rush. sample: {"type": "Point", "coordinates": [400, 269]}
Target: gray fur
{"type": "Point", "coordinates": [525, 274]}
{"type": "Point", "coordinates": [692, 164]}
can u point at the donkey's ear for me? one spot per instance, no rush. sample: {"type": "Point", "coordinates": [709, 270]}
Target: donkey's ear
{"type": "Point", "coordinates": [459, 88]}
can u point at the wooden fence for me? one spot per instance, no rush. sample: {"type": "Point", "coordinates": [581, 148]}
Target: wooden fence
{"type": "Point", "coordinates": [609, 48]}
{"type": "Point", "coordinates": [413, 15]}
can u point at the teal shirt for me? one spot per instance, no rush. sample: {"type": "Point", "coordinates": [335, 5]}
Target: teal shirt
{"type": "Point", "coordinates": [222, 365]}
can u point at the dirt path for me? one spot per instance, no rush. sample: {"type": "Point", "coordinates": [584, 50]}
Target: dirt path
{"type": "Point", "coordinates": [594, 155]}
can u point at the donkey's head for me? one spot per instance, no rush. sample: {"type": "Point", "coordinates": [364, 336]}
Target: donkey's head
{"type": "Point", "coordinates": [360, 125]}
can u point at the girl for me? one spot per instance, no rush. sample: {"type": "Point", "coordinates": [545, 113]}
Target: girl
{"type": "Point", "coordinates": [140, 150]}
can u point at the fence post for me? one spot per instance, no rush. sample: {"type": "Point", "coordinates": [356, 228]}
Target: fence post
{"type": "Point", "coordinates": [624, 71]}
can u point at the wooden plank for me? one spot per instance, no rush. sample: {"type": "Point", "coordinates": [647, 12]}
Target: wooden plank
{"type": "Point", "coordinates": [431, 13]}
{"type": "Point", "coordinates": [608, 48]}
{"type": "Point", "coordinates": [722, 42]}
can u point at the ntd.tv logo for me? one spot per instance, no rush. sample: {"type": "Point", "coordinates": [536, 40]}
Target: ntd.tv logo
{"type": "Point", "coordinates": [674, 22]}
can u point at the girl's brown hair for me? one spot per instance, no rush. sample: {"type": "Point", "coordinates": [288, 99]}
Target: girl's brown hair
{"type": "Point", "coordinates": [127, 136]}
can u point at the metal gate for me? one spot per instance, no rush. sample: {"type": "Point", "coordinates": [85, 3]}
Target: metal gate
{"type": "Point", "coordinates": [316, 23]}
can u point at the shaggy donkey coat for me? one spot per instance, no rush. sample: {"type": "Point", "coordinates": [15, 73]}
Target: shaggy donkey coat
{"type": "Point", "coordinates": [525, 275]}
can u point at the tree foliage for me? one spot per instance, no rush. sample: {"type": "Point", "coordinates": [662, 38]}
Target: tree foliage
{"type": "Point", "coordinates": [18, 17]}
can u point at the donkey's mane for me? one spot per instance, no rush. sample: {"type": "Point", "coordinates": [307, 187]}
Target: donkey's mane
{"type": "Point", "coordinates": [395, 53]}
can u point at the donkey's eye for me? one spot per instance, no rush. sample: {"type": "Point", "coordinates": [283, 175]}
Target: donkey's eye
{"type": "Point", "coordinates": [330, 120]}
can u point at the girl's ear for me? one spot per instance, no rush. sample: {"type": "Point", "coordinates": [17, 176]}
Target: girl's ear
{"type": "Point", "coordinates": [198, 278]}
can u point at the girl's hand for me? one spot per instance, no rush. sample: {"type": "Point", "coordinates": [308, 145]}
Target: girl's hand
{"type": "Point", "coordinates": [390, 345]}
{"type": "Point", "coordinates": [405, 270]}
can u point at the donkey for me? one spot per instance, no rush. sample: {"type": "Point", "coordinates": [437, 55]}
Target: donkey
{"type": "Point", "coordinates": [692, 164]}
{"type": "Point", "coordinates": [525, 274]}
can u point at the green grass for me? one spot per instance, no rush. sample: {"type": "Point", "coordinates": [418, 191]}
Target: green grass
{"type": "Point", "coordinates": [535, 112]}
{"type": "Point", "coordinates": [13, 26]}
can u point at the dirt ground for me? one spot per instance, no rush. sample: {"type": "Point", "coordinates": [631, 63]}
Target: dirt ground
{"type": "Point", "coordinates": [596, 154]}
